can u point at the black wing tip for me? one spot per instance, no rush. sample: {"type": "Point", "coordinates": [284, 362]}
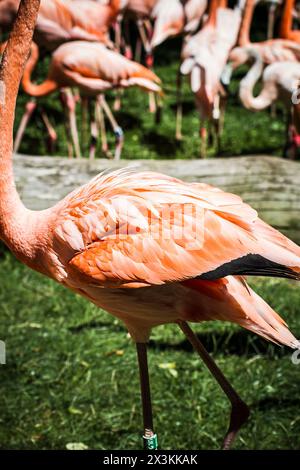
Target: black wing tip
{"type": "Point", "coordinates": [251, 265]}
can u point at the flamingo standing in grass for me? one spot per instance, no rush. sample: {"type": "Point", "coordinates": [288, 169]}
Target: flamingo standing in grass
{"type": "Point", "coordinates": [171, 18]}
{"type": "Point", "coordinates": [148, 248]}
{"type": "Point", "coordinates": [271, 50]}
{"type": "Point", "coordinates": [204, 56]}
{"type": "Point", "coordinates": [60, 21]}
{"type": "Point", "coordinates": [280, 81]}
{"type": "Point", "coordinates": [66, 20]}
{"type": "Point", "coordinates": [94, 69]}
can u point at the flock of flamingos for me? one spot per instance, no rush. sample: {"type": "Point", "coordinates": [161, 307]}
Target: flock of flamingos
{"type": "Point", "coordinates": [148, 248]}
{"type": "Point", "coordinates": [91, 53]}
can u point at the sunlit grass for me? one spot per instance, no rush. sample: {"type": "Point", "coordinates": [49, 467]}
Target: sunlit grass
{"type": "Point", "coordinates": [71, 374]}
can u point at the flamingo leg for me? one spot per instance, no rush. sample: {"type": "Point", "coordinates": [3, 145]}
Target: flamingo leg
{"type": "Point", "coordinates": [101, 126]}
{"type": "Point", "coordinates": [94, 131]}
{"type": "Point", "coordinates": [271, 20]}
{"type": "Point", "coordinates": [149, 436]}
{"type": "Point", "coordinates": [203, 136]}
{"type": "Point", "coordinates": [29, 109]}
{"type": "Point", "coordinates": [178, 135]}
{"type": "Point", "coordinates": [116, 128]}
{"type": "Point", "coordinates": [127, 45]}
{"type": "Point", "coordinates": [51, 131]}
{"type": "Point", "coordinates": [118, 32]}
{"type": "Point", "coordinates": [239, 410]}
{"type": "Point", "coordinates": [149, 59]}
{"type": "Point", "coordinates": [71, 107]}
{"type": "Point", "coordinates": [63, 99]}
{"type": "Point", "coordinates": [118, 42]}
{"type": "Point", "coordinates": [138, 50]}
{"type": "Point", "coordinates": [118, 99]}
{"type": "Point", "coordinates": [146, 42]}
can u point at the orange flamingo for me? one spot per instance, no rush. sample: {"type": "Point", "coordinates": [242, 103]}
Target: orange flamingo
{"type": "Point", "coordinates": [66, 20]}
{"type": "Point", "coordinates": [148, 248]}
{"type": "Point", "coordinates": [271, 50]}
{"type": "Point", "coordinates": [280, 81]}
{"type": "Point", "coordinates": [94, 69]}
{"type": "Point", "coordinates": [60, 21]}
{"type": "Point", "coordinates": [286, 30]}
{"type": "Point", "coordinates": [170, 19]}
{"type": "Point", "coordinates": [204, 56]}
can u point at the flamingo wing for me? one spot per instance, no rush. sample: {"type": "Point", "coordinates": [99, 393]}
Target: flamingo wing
{"type": "Point", "coordinates": [134, 229]}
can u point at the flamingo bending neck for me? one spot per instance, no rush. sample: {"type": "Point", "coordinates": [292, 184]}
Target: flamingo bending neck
{"type": "Point", "coordinates": [265, 98]}
{"type": "Point", "coordinates": [43, 89]}
{"type": "Point", "coordinates": [17, 224]}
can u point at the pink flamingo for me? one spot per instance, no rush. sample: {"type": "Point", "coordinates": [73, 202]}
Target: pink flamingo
{"type": "Point", "coordinates": [170, 19]}
{"type": "Point", "coordinates": [116, 242]}
{"type": "Point", "coordinates": [280, 81]}
{"type": "Point", "coordinates": [66, 20]}
{"type": "Point", "coordinates": [94, 69]}
{"type": "Point", "coordinates": [173, 18]}
{"type": "Point", "coordinates": [60, 21]}
{"type": "Point", "coordinates": [271, 50]}
{"type": "Point", "coordinates": [204, 56]}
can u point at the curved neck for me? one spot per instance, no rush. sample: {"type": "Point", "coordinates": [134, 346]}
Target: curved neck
{"type": "Point", "coordinates": [13, 229]}
{"type": "Point", "coordinates": [287, 18]}
{"type": "Point", "coordinates": [264, 99]}
{"type": "Point", "coordinates": [31, 88]}
{"type": "Point", "coordinates": [244, 35]}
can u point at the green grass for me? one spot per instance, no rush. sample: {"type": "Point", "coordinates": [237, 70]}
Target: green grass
{"type": "Point", "coordinates": [71, 374]}
{"type": "Point", "coordinates": [244, 133]}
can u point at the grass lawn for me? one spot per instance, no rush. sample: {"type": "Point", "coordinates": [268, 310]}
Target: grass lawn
{"type": "Point", "coordinates": [71, 374]}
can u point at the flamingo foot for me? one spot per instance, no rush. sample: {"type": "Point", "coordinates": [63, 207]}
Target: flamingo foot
{"type": "Point", "coordinates": [240, 413]}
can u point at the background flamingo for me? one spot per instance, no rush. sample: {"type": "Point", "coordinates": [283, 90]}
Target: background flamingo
{"type": "Point", "coordinates": [271, 50]}
{"type": "Point", "coordinates": [204, 56]}
{"type": "Point", "coordinates": [94, 69]}
{"type": "Point", "coordinates": [99, 242]}
{"type": "Point", "coordinates": [280, 80]}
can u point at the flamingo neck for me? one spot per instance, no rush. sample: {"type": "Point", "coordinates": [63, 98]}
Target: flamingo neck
{"type": "Point", "coordinates": [265, 98]}
{"type": "Point", "coordinates": [286, 20]}
{"type": "Point", "coordinates": [17, 224]}
{"type": "Point", "coordinates": [244, 35]}
{"type": "Point", "coordinates": [43, 89]}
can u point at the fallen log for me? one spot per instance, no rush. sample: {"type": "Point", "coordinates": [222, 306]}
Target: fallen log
{"type": "Point", "coordinates": [270, 184]}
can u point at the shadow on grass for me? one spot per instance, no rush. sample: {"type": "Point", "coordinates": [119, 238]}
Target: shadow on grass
{"type": "Point", "coordinates": [129, 121]}
{"type": "Point", "coordinates": [274, 402]}
{"type": "Point", "coordinates": [188, 107]}
{"type": "Point", "coordinates": [239, 343]}
{"type": "Point", "coordinates": [166, 146]}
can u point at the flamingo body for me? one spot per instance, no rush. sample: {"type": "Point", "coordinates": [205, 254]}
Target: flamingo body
{"type": "Point", "coordinates": [93, 68]}
{"type": "Point", "coordinates": [112, 242]}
